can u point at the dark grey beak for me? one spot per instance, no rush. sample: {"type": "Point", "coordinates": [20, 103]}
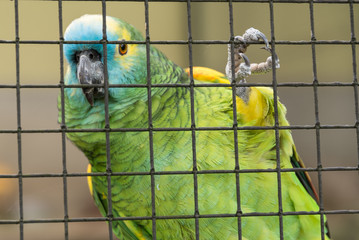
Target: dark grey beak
{"type": "Point", "coordinates": [90, 71]}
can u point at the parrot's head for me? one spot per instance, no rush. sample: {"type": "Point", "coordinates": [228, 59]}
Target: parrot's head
{"type": "Point", "coordinates": [126, 63]}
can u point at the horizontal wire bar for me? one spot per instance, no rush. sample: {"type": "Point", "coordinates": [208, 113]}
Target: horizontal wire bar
{"type": "Point", "coordinates": [175, 85]}
{"type": "Point", "coordinates": [182, 42]}
{"type": "Point", "coordinates": [252, 214]}
{"type": "Point", "coordinates": [60, 175]}
{"type": "Point", "coordinates": [239, 1]}
{"type": "Point", "coordinates": [165, 129]}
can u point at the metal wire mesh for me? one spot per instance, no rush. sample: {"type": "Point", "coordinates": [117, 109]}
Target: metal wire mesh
{"type": "Point", "coordinates": [189, 42]}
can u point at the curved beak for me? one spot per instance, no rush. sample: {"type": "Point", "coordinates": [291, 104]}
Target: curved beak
{"type": "Point", "coordinates": [90, 71]}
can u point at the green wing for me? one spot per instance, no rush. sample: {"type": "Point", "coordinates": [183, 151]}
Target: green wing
{"type": "Point", "coordinates": [259, 111]}
{"type": "Point", "coordinates": [303, 176]}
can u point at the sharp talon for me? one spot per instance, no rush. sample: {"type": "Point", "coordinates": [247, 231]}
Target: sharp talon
{"type": "Point", "coordinates": [267, 49]}
{"type": "Point", "coordinates": [274, 54]}
{"type": "Point", "coordinates": [263, 37]}
{"type": "Point", "coordinates": [270, 50]}
{"type": "Point", "coordinates": [243, 67]}
{"type": "Point", "coordinates": [245, 58]}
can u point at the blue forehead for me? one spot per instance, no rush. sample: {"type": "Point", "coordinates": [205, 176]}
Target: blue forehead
{"type": "Point", "coordinates": [89, 28]}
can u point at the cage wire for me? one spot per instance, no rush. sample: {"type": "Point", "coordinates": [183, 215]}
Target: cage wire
{"type": "Point", "coordinates": [190, 42]}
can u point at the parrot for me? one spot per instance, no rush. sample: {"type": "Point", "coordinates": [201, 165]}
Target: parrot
{"type": "Point", "coordinates": [171, 159]}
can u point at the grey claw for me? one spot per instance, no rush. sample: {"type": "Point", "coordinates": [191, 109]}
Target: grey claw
{"type": "Point", "coordinates": [274, 54]}
{"type": "Point", "coordinates": [264, 38]}
{"type": "Point", "coordinates": [267, 49]}
{"type": "Point", "coordinates": [270, 50]}
{"type": "Point", "coordinates": [245, 58]}
{"type": "Point", "coordinates": [242, 66]}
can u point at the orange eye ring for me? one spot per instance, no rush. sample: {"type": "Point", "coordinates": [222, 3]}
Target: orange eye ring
{"type": "Point", "coordinates": [122, 48]}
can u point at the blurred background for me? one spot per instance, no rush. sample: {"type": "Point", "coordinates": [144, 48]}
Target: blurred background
{"type": "Point", "coordinates": [39, 64]}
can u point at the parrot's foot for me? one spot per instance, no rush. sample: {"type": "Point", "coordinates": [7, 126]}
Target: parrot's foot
{"type": "Point", "coordinates": [242, 67]}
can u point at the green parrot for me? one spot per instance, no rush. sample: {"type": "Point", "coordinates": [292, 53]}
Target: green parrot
{"type": "Point", "coordinates": [214, 148]}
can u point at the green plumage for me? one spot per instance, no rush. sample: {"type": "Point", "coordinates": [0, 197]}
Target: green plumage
{"type": "Point", "coordinates": [172, 151]}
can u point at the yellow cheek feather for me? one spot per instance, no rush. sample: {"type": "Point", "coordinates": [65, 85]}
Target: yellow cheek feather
{"type": "Point", "coordinates": [131, 49]}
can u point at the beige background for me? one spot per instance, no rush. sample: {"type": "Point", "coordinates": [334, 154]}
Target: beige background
{"type": "Point", "coordinates": [39, 64]}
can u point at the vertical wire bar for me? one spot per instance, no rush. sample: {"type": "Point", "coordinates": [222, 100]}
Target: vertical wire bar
{"type": "Point", "coordinates": [63, 124]}
{"type": "Point", "coordinates": [193, 122]}
{"type": "Point", "coordinates": [276, 123]}
{"type": "Point", "coordinates": [107, 123]}
{"type": "Point", "coordinates": [317, 122]}
{"type": "Point", "coordinates": [355, 80]}
{"type": "Point", "coordinates": [18, 109]}
{"type": "Point", "coordinates": [150, 125]}
{"type": "Point", "coordinates": [235, 123]}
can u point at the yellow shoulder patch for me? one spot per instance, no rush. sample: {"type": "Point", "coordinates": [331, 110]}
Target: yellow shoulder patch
{"type": "Point", "coordinates": [204, 74]}
{"type": "Point", "coordinates": [254, 111]}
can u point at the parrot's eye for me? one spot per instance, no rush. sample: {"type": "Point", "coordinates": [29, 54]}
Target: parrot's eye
{"type": "Point", "coordinates": [122, 48]}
